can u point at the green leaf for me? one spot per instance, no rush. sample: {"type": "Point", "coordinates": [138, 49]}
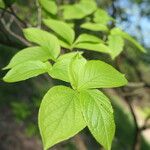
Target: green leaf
{"type": "Point", "coordinates": [75, 68]}
{"type": "Point", "coordinates": [98, 114]}
{"type": "Point", "coordinates": [25, 71]}
{"type": "Point", "coordinates": [98, 47]}
{"type": "Point", "coordinates": [49, 5]}
{"type": "Point", "coordinates": [102, 17]}
{"type": "Point", "coordinates": [94, 26]}
{"type": "Point", "coordinates": [94, 74]}
{"type": "Point", "coordinates": [79, 10]}
{"type": "Point", "coordinates": [115, 44]}
{"type": "Point", "coordinates": [62, 29]}
{"type": "Point", "coordinates": [61, 67]}
{"type": "Point", "coordinates": [64, 44]}
{"type": "Point", "coordinates": [60, 116]}
{"type": "Point", "coordinates": [44, 39]}
{"type": "Point", "coordinates": [117, 31]}
{"type": "Point", "coordinates": [88, 38]}
{"type": "Point", "coordinates": [27, 54]}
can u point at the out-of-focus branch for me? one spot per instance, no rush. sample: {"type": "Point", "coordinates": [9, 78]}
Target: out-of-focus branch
{"type": "Point", "coordinates": [79, 143]}
{"type": "Point", "coordinates": [138, 129]}
{"type": "Point", "coordinates": [19, 19]}
{"type": "Point", "coordinates": [39, 14]}
{"type": "Point", "coordinates": [137, 137]}
{"type": "Point", "coordinates": [12, 12]}
{"type": "Point", "coordinates": [135, 84]}
{"type": "Point", "coordinates": [114, 12]}
{"type": "Point", "coordinates": [7, 28]}
{"type": "Point", "coordinates": [145, 125]}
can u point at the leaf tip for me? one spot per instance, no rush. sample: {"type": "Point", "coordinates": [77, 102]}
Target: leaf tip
{"type": "Point", "coordinates": [6, 67]}
{"type": "Point", "coordinates": [5, 79]}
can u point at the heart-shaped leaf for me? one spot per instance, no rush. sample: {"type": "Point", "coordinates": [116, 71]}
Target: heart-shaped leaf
{"type": "Point", "coordinates": [60, 116]}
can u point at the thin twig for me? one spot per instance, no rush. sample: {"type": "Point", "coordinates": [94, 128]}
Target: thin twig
{"type": "Point", "coordinates": [2, 14]}
{"type": "Point", "coordinates": [137, 134]}
{"type": "Point", "coordinates": [39, 14]}
{"type": "Point", "coordinates": [19, 19]}
{"type": "Point", "coordinates": [145, 125]}
{"type": "Point", "coordinates": [136, 84]}
{"type": "Point", "coordinates": [12, 12]}
{"type": "Point", "coordinates": [20, 38]}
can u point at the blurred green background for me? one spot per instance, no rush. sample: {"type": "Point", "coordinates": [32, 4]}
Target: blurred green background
{"type": "Point", "coordinates": [19, 102]}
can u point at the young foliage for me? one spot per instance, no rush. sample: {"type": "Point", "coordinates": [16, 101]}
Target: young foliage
{"type": "Point", "coordinates": [65, 111]}
{"type": "Point", "coordinates": [126, 36]}
{"type": "Point", "coordinates": [88, 38]}
{"type": "Point", "coordinates": [79, 10]}
{"type": "Point", "coordinates": [62, 29]}
{"type": "Point", "coordinates": [98, 114]}
{"type": "Point", "coordinates": [49, 5]}
{"type": "Point", "coordinates": [26, 70]}
{"type": "Point", "coordinates": [44, 39]}
{"type": "Point", "coordinates": [116, 44]}
{"type": "Point", "coordinates": [59, 116]}
{"type": "Point", "coordinates": [61, 67]}
{"type": "Point", "coordinates": [102, 17]}
{"type": "Point", "coordinates": [98, 47]}
{"type": "Point", "coordinates": [94, 26]}
{"type": "Point", "coordinates": [94, 74]}
{"type": "Point", "coordinates": [27, 54]}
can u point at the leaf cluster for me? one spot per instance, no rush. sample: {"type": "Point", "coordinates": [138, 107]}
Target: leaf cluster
{"type": "Point", "coordinates": [65, 111]}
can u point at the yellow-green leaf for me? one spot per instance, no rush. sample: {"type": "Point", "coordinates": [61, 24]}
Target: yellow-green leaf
{"type": "Point", "coordinates": [98, 114]}
{"type": "Point", "coordinates": [94, 26]}
{"type": "Point", "coordinates": [79, 10]}
{"type": "Point", "coordinates": [115, 44]}
{"type": "Point", "coordinates": [27, 54]}
{"type": "Point", "coordinates": [94, 74]}
{"type": "Point", "coordinates": [26, 70]}
{"type": "Point", "coordinates": [49, 5]}
{"type": "Point", "coordinates": [62, 29]}
{"type": "Point", "coordinates": [117, 31]}
{"type": "Point", "coordinates": [44, 39]}
{"type": "Point", "coordinates": [60, 116]}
